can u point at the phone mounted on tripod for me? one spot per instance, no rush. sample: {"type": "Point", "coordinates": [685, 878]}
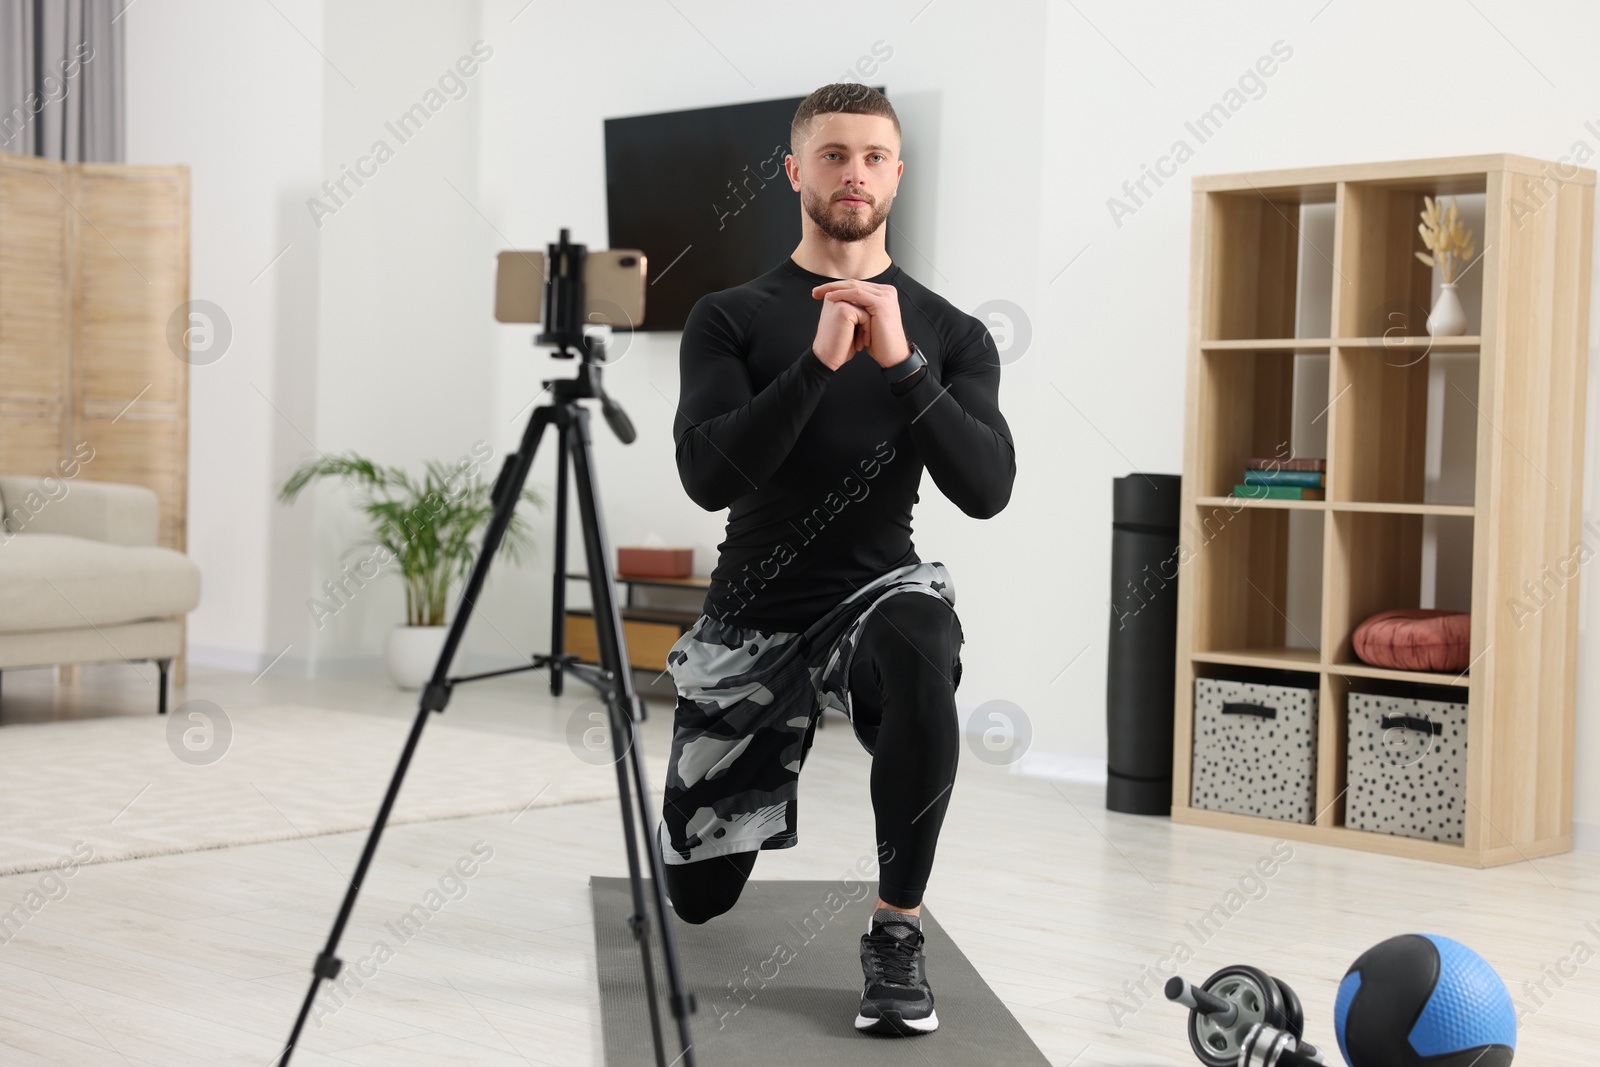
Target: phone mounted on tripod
{"type": "Point", "coordinates": [568, 288]}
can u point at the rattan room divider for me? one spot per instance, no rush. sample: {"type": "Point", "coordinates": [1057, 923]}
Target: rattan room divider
{"type": "Point", "coordinates": [94, 288]}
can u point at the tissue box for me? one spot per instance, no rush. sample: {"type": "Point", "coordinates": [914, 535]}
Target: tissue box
{"type": "Point", "coordinates": [645, 562]}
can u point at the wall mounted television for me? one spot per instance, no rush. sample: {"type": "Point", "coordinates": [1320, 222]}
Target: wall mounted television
{"type": "Point", "coordinates": [704, 194]}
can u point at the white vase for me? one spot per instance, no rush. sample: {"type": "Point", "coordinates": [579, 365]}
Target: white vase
{"type": "Point", "coordinates": [1447, 319]}
{"type": "Point", "coordinates": [411, 652]}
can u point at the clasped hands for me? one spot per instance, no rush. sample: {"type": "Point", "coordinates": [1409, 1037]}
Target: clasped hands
{"type": "Point", "coordinates": [859, 315]}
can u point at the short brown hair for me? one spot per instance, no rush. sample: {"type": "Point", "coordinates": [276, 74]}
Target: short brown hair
{"type": "Point", "coordinates": [848, 98]}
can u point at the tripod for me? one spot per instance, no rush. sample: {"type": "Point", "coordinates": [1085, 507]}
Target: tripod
{"type": "Point", "coordinates": [613, 679]}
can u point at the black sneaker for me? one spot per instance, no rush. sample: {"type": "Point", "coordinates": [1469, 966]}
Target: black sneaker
{"type": "Point", "coordinates": [895, 998]}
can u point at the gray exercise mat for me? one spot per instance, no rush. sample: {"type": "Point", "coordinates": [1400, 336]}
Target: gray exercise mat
{"type": "Point", "coordinates": [778, 980]}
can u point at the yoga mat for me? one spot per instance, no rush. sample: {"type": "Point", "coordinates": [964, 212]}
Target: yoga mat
{"type": "Point", "coordinates": [778, 981]}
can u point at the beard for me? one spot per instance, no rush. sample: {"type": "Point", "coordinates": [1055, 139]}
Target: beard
{"type": "Point", "coordinates": [849, 224]}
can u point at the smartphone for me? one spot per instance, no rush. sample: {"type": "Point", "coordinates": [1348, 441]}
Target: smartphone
{"type": "Point", "coordinates": [613, 287]}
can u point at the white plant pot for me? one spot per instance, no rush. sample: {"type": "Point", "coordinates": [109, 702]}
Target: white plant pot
{"type": "Point", "coordinates": [1447, 319]}
{"type": "Point", "coordinates": [411, 652]}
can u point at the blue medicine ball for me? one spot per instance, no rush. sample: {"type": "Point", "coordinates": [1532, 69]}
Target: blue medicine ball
{"type": "Point", "coordinates": [1420, 1000]}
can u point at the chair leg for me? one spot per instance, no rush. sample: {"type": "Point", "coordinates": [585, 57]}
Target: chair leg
{"type": "Point", "coordinates": [163, 665]}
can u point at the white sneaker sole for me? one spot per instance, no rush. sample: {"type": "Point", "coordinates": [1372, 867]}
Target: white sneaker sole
{"type": "Point", "coordinates": [880, 1025]}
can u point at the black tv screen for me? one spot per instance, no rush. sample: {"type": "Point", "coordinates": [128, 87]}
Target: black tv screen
{"type": "Point", "coordinates": [704, 194]}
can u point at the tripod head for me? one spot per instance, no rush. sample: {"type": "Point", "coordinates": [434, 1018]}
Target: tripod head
{"type": "Point", "coordinates": [564, 331]}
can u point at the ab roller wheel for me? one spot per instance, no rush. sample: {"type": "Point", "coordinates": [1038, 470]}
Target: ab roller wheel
{"type": "Point", "coordinates": [1412, 1000]}
{"type": "Point", "coordinates": [1266, 1047]}
{"type": "Point", "coordinates": [1228, 1005]}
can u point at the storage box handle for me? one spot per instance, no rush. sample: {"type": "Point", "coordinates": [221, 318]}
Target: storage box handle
{"type": "Point", "coordinates": [1411, 722]}
{"type": "Point", "coordinates": [1239, 708]}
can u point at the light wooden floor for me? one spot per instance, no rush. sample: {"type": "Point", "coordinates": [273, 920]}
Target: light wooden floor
{"type": "Point", "coordinates": [1069, 912]}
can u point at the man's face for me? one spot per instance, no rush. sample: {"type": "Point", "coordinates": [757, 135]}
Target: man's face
{"type": "Point", "coordinates": [847, 173]}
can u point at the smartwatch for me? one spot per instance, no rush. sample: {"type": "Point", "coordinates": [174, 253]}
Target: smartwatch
{"type": "Point", "coordinates": [907, 367]}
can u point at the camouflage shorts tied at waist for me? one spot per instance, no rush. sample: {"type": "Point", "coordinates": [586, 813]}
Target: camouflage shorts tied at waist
{"type": "Point", "coordinates": [746, 710]}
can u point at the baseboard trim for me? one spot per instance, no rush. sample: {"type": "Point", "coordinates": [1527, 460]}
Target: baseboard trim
{"type": "Point", "coordinates": [304, 668]}
{"type": "Point", "coordinates": [282, 666]}
{"type": "Point", "coordinates": [1062, 766]}
{"type": "Point", "coordinates": [1092, 770]}
{"type": "Point", "coordinates": [1066, 767]}
{"type": "Point", "coordinates": [228, 659]}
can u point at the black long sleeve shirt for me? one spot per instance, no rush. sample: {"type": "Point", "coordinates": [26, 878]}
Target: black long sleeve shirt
{"type": "Point", "coordinates": [820, 468]}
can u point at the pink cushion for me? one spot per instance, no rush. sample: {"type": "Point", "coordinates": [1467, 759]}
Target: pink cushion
{"type": "Point", "coordinates": [1415, 639]}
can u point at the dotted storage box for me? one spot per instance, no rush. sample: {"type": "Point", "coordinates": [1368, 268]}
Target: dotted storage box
{"type": "Point", "coordinates": [1255, 746]}
{"type": "Point", "coordinates": [1406, 763]}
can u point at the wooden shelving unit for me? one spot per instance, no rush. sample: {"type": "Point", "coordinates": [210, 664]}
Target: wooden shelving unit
{"type": "Point", "coordinates": [1516, 386]}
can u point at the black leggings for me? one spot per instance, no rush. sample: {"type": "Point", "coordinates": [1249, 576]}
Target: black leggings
{"type": "Point", "coordinates": [903, 677]}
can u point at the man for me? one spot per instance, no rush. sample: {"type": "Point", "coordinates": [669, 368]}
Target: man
{"type": "Point", "coordinates": [811, 400]}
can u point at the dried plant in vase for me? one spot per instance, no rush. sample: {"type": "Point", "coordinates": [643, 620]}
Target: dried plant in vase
{"type": "Point", "coordinates": [1451, 246]}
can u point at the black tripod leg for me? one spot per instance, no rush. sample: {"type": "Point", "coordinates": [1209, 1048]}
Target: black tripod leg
{"type": "Point", "coordinates": [435, 695]}
{"type": "Point", "coordinates": [558, 595]}
{"type": "Point", "coordinates": [624, 707]}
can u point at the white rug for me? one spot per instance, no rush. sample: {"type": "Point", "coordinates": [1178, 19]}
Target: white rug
{"type": "Point", "coordinates": [116, 787]}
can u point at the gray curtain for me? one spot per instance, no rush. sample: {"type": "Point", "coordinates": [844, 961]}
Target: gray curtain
{"type": "Point", "coordinates": [61, 75]}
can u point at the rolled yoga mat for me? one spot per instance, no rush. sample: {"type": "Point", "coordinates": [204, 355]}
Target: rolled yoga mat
{"type": "Point", "coordinates": [778, 981]}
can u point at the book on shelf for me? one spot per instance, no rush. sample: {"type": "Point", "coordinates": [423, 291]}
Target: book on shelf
{"type": "Point", "coordinates": [1309, 479]}
{"type": "Point", "coordinates": [1279, 492]}
{"type": "Point", "coordinates": [1291, 463]}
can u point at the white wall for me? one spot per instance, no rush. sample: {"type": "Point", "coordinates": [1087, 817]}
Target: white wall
{"type": "Point", "coordinates": [235, 92]}
{"type": "Point", "coordinates": [1021, 120]}
{"type": "Point", "coordinates": [1361, 85]}
{"type": "Point", "coordinates": [406, 371]}
{"type": "Point", "coordinates": [544, 168]}
{"type": "Point", "coordinates": [356, 330]}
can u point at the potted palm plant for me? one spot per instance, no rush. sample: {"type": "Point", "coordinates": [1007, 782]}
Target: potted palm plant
{"type": "Point", "coordinates": [428, 530]}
